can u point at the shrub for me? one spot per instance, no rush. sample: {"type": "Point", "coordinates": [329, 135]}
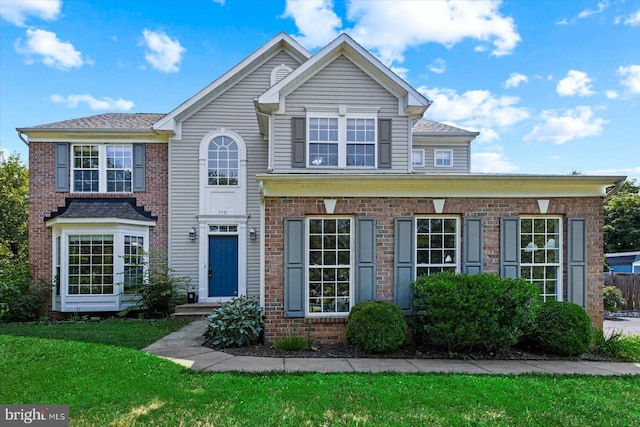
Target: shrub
{"type": "Point", "coordinates": [20, 301]}
{"type": "Point", "coordinates": [292, 343]}
{"type": "Point", "coordinates": [376, 326]}
{"type": "Point", "coordinates": [562, 328]}
{"type": "Point", "coordinates": [613, 299]}
{"type": "Point", "coordinates": [158, 288]}
{"type": "Point", "coordinates": [236, 323]}
{"type": "Point", "coordinates": [466, 313]}
{"type": "Point", "coordinates": [617, 346]}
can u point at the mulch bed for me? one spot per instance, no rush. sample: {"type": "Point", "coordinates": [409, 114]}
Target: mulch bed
{"type": "Point", "coordinates": [405, 352]}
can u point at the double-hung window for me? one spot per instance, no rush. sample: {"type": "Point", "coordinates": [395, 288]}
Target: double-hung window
{"type": "Point", "coordinates": [102, 168]}
{"type": "Point", "coordinates": [443, 158]}
{"type": "Point", "coordinates": [541, 255]}
{"type": "Point", "coordinates": [342, 140]}
{"type": "Point", "coordinates": [437, 245]}
{"type": "Point", "coordinates": [329, 271]}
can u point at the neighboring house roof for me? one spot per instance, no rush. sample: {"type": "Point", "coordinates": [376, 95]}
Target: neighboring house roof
{"type": "Point", "coordinates": [614, 259]}
{"type": "Point", "coordinates": [282, 41]}
{"type": "Point", "coordinates": [118, 121]}
{"type": "Point", "coordinates": [424, 126]}
{"type": "Point", "coordinates": [117, 208]}
{"type": "Point", "coordinates": [414, 102]}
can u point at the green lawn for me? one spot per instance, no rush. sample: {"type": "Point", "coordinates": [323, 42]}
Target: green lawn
{"type": "Point", "coordinates": [113, 385]}
{"type": "Point", "coordinates": [121, 332]}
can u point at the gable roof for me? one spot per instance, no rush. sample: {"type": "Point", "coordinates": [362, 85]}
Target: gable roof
{"type": "Point", "coordinates": [280, 42]}
{"type": "Point", "coordinates": [414, 102]}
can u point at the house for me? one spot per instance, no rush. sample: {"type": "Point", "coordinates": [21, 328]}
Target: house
{"type": "Point", "coordinates": [623, 262]}
{"type": "Point", "coordinates": [310, 181]}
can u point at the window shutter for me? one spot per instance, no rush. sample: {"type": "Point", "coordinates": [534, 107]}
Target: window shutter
{"type": "Point", "coordinates": [472, 245]}
{"type": "Point", "coordinates": [299, 136]}
{"type": "Point", "coordinates": [365, 259]}
{"type": "Point", "coordinates": [384, 143]}
{"type": "Point", "coordinates": [294, 267]}
{"type": "Point", "coordinates": [510, 247]}
{"type": "Point", "coordinates": [62, 173]}
{"type": "Point", "coordinates": [403, 262]}
{"type": "Point", "coordinates": [577, 261]}
{"type": "Point", "coordinates": [139, 160]}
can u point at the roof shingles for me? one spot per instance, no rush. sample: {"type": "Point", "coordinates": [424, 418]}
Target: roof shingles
{"type": "Point", "coordinates": [106, 121]}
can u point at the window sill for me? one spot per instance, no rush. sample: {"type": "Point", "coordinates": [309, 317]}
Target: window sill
{"type": "Point", "coordinates": [328, 319]}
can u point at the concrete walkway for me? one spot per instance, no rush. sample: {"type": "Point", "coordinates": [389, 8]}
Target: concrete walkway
{"type": "Point", "coordinates": [185, 347]}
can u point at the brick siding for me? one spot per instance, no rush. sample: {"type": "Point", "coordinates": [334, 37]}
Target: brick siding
{"type": "Point", "coordinates": [385, 210]}
{"type": "Point", "coordinates": [43, 199]}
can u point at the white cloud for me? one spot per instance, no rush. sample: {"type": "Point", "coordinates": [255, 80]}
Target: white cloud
{"type": "Point", "coordinates": [491, 163]}
{"type": "Point", "coordinates": [615, 171]}
{"type": "Point", "coordinates": [572, 124]}
{"type": "Point", "coordinates": [390, 29]}
{"type": "Point", "coordinates": [475, 109]}
{"type": "Point", "coordinates": [612, 94]}
{"type": "Point", "coordinates": [588, 12]}
{"type": "Point", "coordinates": [220, 2]}
{"type": "Point", "coordinates": [438, 66]}
{"type": "Point", "coordinates": [515, 79]}
{"type": "Point", "coordinates": [576, 83]}
{"type": "Point", "coordinates": [94, 104]}
{"type": "Point", "coordinates": [633, 19]}
{"type": "Point", "coordinates": [52, 51]}
{"type": "Point", "coordinates": [317, 22]}
{"type": "Point", "coordinates": [18, 11]}
{"type": "Point", "coordinates": [630, 77]}
{"type": "Point", "coordinates": [164, 54]}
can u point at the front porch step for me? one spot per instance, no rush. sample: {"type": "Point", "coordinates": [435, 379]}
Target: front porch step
{"type": "Point", "coordinates": [197, 310]}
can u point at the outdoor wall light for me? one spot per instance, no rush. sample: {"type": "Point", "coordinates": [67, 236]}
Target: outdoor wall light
{"type": "Point", "coordinates": [252, 233]}
{"type": "Point", "coordinates": [192, 233]}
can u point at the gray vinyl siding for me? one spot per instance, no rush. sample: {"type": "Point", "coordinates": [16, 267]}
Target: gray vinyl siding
{"type": "Point", "coordinates": [461, 161]}
{"type": "Point", "coordinates": [234, 111]}
{"type": "Point", "coordinates": [340, 83]}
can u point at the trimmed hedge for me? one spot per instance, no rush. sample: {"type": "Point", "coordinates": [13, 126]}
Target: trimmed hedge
{"type": "Point", "coordinates": [376, 326]}
{"type": "Point", "coordinates": [468, 313]}
{"type": "Point", "coordinates": [562, 328]}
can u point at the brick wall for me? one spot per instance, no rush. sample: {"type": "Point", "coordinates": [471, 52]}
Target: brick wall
{"type": "Point", "coordinates": [385, 210]}
{"type": "Point", "coordinates": [43, 200]}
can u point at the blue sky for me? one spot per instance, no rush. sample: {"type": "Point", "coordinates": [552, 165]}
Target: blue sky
{"type": "Point", "coordinates": [553, 86]}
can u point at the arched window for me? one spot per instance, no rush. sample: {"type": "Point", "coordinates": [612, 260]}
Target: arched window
{"type": "Point", "coordinates": [222, 161]}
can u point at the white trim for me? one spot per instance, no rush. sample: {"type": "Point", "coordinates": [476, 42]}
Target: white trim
{"type": "Point", "coordinates": [437, 151]}
{"type": "Point", "coordinates": [429, 185]}
{"type": "Point", "coordinates": [98, 302]}
{"type": "Point", "coordinates": [458, 266]}
{"type": "Point", "coordinates": [560, 263]}
{"type": "Point", "coordinates": [352, 249]}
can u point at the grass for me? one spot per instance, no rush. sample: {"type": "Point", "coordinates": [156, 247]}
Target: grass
{"type": "Point", "coordinates": [119, 332]}
{"type": "Point", "coordinates": [117, 385]}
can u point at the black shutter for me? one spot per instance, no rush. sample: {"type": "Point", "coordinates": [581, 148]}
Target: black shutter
{"type": "Point", "coordinates": [384, 143]}
{"type": "Point", "coordinates": [510, 247]}
{"type": "Point", "coordinates": [472, 233]}
{"type": "Point", "coordinates": [294, 267]}
{"type": "Point", "coordinates": [403, 262]}
{"type": "Point", "coordinates": [365, 259]}
{"type": "Point", "coordinates": [139, 161]}
{"type": "Point", "coordinates": [299, 136]}
{"type": "Point", "coordinates": [577, 261]}
{"type": "Point", "coordinates": [62, 172]}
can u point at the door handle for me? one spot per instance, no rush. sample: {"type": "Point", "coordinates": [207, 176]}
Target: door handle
{"type": "Point", "coordinates": [210, 273]}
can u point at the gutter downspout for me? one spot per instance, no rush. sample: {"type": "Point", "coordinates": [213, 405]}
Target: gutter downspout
{"type": "Point", "coordinates": [614, 190]}
{"type": "Point", "coordinates": [26, 141]}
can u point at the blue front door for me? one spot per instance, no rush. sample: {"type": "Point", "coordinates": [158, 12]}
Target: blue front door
{"type": "Point", "coordinates": [223, 266]}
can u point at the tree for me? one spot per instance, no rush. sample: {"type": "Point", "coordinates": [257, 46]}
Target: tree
{"type": "Point", "coordinates": [14, 191]}
{"type": "Point", "coordinates": [622, 219]}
